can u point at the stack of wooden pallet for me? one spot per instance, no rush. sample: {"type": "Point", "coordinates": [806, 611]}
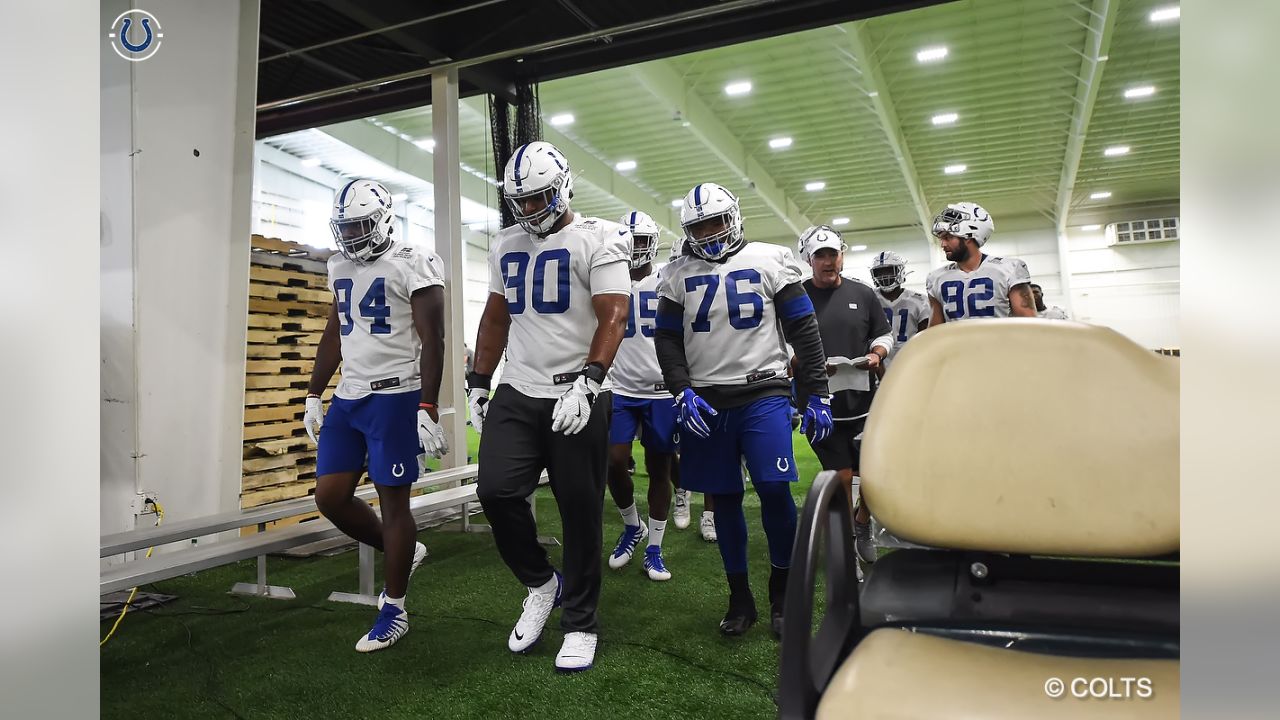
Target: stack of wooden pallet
{"type": "Point", "coordinates": [288, 306]}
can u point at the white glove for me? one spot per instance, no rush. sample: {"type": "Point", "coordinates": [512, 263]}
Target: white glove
{"type": "Point", "coordinates": [478, 399]}
{"type": "Point", "coordinates": [431, 435]}
{"type": "Point", "coordinates": [573, 409]}
{"type": "Point", "coordinates": [313, 418]}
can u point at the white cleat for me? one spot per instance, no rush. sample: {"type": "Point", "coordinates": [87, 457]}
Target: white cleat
{"type": "Point", "coordinates": [537, 608]}
{"type": "Point", "coordinates": [578, 652]}
{"type": "Point", "coordinates": [628, 541]}
{"type": "Point", "coordinates": [682, 509]}
{"type": "Point", "coordinates": [708, 526]}
{"type": "Point", "coordinates": [391, 625]}
{"type": "Point", "coordinates": [654, 565]}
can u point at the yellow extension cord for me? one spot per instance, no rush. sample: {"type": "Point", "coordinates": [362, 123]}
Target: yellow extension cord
{"type": "Point", "coordinates": [134, 591]}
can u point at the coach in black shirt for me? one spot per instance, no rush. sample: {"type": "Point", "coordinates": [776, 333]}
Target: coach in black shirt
{"type": "Point", "coordinates": [852, 325]}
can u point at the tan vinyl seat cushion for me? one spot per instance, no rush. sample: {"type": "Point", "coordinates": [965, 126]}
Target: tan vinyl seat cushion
{"type": "Point", "coordinates": [899, 674]}
{"type": "Point", "coordinates": [1026, 436]}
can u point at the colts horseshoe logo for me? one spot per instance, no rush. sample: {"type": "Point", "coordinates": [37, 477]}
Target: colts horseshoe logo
{"type": "Point", "coordinates": [397, 470]}
{"type": "Point", "coordinates": [123, 34]}
{"type": "Point", "coordinates": [783, 464]}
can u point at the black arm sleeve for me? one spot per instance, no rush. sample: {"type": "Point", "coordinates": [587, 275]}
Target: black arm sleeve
{"type": "Point", "coordinates": [669, 344]}
{"type": "Point", "coordinates": [801, 332]}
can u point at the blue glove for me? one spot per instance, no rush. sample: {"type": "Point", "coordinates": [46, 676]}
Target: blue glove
{"type": "Point", "coordinates": [690, 410]}
{"type": "Point", "coordinates": [817, 418]}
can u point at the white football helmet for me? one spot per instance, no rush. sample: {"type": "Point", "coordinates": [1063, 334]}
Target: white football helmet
{"type": "Point", "coordinates": [538, 169]}
{"type": "Point", "coordinates": [888, 271]}
{"type": "Point", "coordinates": [817, 237]}
{"type": "Point", "coordinates": [644, 238]}
{"type": "Point", "coordinates": [362, 220]}
{"type": "Point", "coordinates": [705, 202]}
{"type": "Point", "coordinates": [966, 219]}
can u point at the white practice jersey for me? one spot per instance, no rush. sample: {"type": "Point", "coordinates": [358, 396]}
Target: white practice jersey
{"type": "Point", "coordinates": [635, 372]}
{"type": "Point", "coordinates": [548, 287]}
{"type": "Point", "coordinates": [905, 315]}
{"type": "Point", "coordinates": [983, 293]}
{"type": "Point", "coordinates": [732, 331]}
{"type": "Point", "coordinates": [381, 351]}
{"type": "Point", "coordinates": [1053, 312]}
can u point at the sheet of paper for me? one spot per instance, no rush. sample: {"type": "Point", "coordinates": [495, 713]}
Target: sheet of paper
{"type": "Point", "coordinates": [849, 374]}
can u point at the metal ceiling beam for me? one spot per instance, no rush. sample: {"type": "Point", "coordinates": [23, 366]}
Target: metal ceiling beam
{"type": "Point", "coordinates": [1102, 21]}
{"type": "Point", "coordinates": [660, 79]}
{"type": "Point", "coordinates": [402, 155]}
{"type": "Point", "coordinates": [327, 67]}
{"type": "Point", "coordinates": [589, 169]}
{"type": "Point", "coordinates": [878, 91]}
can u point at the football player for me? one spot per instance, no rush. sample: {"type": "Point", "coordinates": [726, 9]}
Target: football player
{"type": "Point", "coordinates": [641, 403]}
{"type": "Point", "coordinates": [1048, 313]}
{"type": "Point", "coordinates": [559, 293]}
{"type": "Point", "coordinates": [908, 311]}
{"type": "Point", "coordinates": [975, 285]}
{"type": "Point", "coordinates": [725, 310]}
{"type": "Point", "coordinates": [386, 327]}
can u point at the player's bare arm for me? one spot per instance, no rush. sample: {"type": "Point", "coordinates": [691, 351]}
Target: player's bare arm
{"type": "Point", "coordinates": [428, 319]}
{"type": "Point", "coordinates": [1021, 302]}
{"type": "Point", "coordinates": [611, 324]}
{"type": "Point", "coordinates": [328, 355]}
{"type": "Point", "coordinates": [491, 338]}
{"type": "Point", "coordinates": [938, 317]}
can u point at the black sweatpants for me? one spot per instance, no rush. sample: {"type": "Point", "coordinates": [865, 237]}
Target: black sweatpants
{"type": "Point", "coordinates": [516, 446]}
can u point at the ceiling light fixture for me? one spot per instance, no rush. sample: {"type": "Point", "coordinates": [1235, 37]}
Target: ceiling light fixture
{"type": "Point", "coordinates": [932, 54]}
{"type": "Point", "coordinates": [815, 186]}
{"type": "Point", "coordinates": [741, 87]}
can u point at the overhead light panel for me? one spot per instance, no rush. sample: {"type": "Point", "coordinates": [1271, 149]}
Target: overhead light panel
{"type": "Point", "coordinates": [1140, 92]}
{"type": "Point", "coordinates": [390, 128]}
{"type": "Point", "coordinates": [311, 162]}
{"type": "Point", "coordinates": [815, 186]}
{"type": "Point", "coordinates": [1166, 14]}
{"type": "Point", "coordinates": [840, 221]}
{"type": "Point", "coordinates": [1116, 150]}
{"type": "Point", "coordinates": [678, 202]}
{"type": "Point", "coordinates": [932, 54]}
{"type": "Point", "coordinates": [1100, 195]}
{"type": "Point", "coordinates": [1090, 228]}
{"type": "Point", "coordinates": [945, 118]}
{"type": "Point", "coordinates": [741, 87]}
{"type": "Point", "coordinates": [955, 169]}
{"type": "Point", "coordinates": [780, 142]}
{"type": "Point", "coordinates": [857, 248]}
{"type": "Point", "coordinates": [562, 119]}
{"type": "Point", "coordinates": [427, 144]}
{"type": "Point", "coordinates": [624, 165]}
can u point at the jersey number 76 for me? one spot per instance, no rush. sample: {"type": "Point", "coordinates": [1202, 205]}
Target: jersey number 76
{"type": "Point", "coordinates": [738, 299]}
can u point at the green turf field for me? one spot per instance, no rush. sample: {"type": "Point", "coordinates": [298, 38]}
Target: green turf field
{"type": "Point", "coordinates": [213, 655]}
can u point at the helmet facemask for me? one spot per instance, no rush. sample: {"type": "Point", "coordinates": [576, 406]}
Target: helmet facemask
{"type": "Point", "coordinates": [888, 277]}
{"type": "Point", "coordinates": [540, 221]}
{"type": "Point", "coordinates": [362, 238]}
{"type": "Point", "coordinates": [718, 244]}
{"type": "Point", "coordinates": [644, 248]}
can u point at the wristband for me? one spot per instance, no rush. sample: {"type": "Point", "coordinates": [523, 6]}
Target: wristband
{"type": "Point", "coordinates": [595, 372]}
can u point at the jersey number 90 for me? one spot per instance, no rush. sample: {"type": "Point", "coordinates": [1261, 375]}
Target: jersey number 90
{"type": "Point", "coordinates": [549, 294]}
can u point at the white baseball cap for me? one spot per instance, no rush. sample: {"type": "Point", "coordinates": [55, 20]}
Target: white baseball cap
{"type": "Point", "coordinates": [819, 237]}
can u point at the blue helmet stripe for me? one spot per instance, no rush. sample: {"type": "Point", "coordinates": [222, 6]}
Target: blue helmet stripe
{"type": "Point", "coordinates": [697, 196]}
{"type": "Point", "coordinates": [516, 170]}
{"type": "Point", "coordinates": [633, 219]}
